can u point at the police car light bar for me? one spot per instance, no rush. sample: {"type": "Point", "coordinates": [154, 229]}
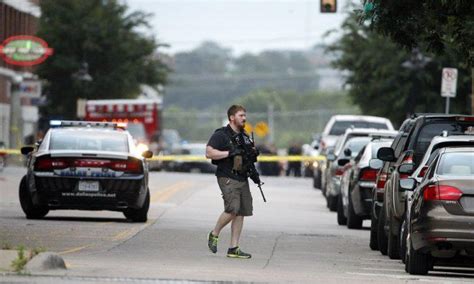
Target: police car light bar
{"type": "Point", "coordinates": [71, 123]}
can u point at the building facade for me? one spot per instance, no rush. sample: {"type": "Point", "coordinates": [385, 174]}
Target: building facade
{"type": "Point", "coordinates": [17, 17]}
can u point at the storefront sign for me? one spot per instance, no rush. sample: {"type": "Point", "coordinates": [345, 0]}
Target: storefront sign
{"type": "Point", "coordinates": [24, 50]}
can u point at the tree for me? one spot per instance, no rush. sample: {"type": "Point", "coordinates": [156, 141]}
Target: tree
{"type": "Point", "coordinates": [380, 85]}
{"type": "Point", "coordinates": [208, 58]}
{"type": "Point", "coordinates": [103, 35]}
{"type": "Point", "coordinates": [441, 26]}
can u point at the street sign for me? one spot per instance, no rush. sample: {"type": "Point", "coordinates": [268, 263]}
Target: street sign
{"type": "Point", "coordinates": [261, 129]}
{"type": "Point", "coordinates": [24, 50]}
{"type": "Point", "coordinates": [449, 81]}
{"type": "Point", "coordinates": [248, 127]}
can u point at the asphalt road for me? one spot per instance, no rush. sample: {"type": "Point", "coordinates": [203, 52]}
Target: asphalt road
{"type": "Point", "coordinates": [292, 237]}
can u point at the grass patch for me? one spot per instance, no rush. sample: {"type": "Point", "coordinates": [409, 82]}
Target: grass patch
{"type": "Point", "coordinates": [18, 264]}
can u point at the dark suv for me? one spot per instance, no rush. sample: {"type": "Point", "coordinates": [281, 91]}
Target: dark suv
{"type": "Point", "coordinates": [378, 191]}
{"type": "Point", "coordinates": [424, 128]}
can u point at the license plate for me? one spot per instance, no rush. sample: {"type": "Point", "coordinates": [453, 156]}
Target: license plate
{"type": "Point", "coordinates": [89, 186]}
{"type": "Point", "coordinates": [467, 203]}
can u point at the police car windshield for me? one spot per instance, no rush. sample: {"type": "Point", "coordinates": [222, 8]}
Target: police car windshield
{"type": "Point", "coordinates": [92, 140]}
{"type": "Point", "coordinates": [137, 130]}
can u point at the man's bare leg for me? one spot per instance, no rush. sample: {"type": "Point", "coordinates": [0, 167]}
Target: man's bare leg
{"type": "Point", "coordinates": [223, 220]}
{"type": "Point", "coordinates": [236, 230]}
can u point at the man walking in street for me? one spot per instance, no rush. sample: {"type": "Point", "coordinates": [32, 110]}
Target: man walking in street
{"type": "Point", "coordinates": [231, 174]}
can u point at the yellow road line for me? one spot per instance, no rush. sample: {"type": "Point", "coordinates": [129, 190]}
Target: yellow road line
{"type": "Point", "coordinates": [124, 234]}
{"type": "Point", "coordinates": [130, 232]}
{"type": "Point", "coordinates": [74, 249]}
{"type": "Point", "coordinates": [166, 194]}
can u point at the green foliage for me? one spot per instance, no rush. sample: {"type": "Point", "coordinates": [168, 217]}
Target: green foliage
{"type": "Point", "coordinates": [208, 58]}
{"type": "Point", "coordinates": [210, 76]}
{"type": "Point", "coordinates": [19, 263]}
{"type": "Point", "coordinates": [438, 25]}
{"type": "Point", "coordinates": [296, 116]}
{"type": "Point", "coordinates": [102, 34]}
{"type": "Point", "coordinates": [381, 86]}
{"type": "Point", "coordinates": [259, 100]}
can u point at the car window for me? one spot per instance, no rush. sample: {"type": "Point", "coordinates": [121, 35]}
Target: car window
{"type": "Point", "coordinates": [356, 144]}
{"type": "Point", "coordinates": [431, 130]}
{"type": "Point", "coordinates": [431, 168]}
{"type": "Point", "coordinates": [339, 127]}
{"type": "Point", "coordinates": [456, 164]}
{"type": "Point", "coordinates": [89, 140]}
{"type": "Point", "coordinates": [137, 130]}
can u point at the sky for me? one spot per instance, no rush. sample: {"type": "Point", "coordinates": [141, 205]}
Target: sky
{"type": "Point", "coordinates": [241, 25]}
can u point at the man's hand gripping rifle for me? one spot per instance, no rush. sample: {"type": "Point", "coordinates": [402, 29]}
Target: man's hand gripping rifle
{"type": "Point", "coordinates": [249, 160]}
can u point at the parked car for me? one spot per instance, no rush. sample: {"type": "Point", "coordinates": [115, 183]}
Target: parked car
{"type": "Point", "coordinates": [441, 211]}
{"type": "Point", "coordinates": [86, 166]}
{"type": "Point", "coordinates": [197, 150]}
{"type": "Point", "coordinates": [418, 173]}
{"type": "Point", "coordinates": [425, 127]}
{"type": "Point", "coordinates": [378, 191]}
{"type": "Point", "coordinates": [334, 171]}
{"type": "Point", "coordinates": [358, 180]}
{"type": "Point", "coordinates": [337, 126]}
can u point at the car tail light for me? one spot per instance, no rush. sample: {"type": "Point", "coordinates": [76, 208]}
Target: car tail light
{"type": "Point", "coordinates": [441, 192]}
{"type": "Point", "coordinates": [423, 171]}
{"type": "Point", "coordinates": [368, 174]}
{"type": "Point", "coordinates": [132, 165]}
{"type": "Point", "coordinates": [464, 118]}
{"type": "Point", "coordinates": [339, 171]}
{"type": "Point", "coordinates": [49, 164]}
{"type": "Point", "coordinates": [381, 181]}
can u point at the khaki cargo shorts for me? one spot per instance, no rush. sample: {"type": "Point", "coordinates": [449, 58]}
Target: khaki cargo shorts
{"type": "Point", "coordinates": [236, 195]}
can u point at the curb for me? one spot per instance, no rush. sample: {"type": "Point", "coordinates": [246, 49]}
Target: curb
{"type": "Point", "coordinates": [45, 261]}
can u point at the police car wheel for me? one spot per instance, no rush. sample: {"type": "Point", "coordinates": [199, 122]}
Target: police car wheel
{"type": "Point", "coordinates": [31, 211]}
{"type": "Point", "coordinates": [139, 215]}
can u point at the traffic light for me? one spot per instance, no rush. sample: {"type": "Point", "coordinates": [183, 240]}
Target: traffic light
{"type": "Point", "coordinates": [328, 6]}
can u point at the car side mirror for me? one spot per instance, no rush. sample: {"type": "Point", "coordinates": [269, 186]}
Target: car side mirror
{"type": "Point", "coordinates": [147, 154]}
{"type": "Point", "coordinates": [408, 184]}
{"type": "Point", "coordinates": [347, 152]}
{"type": "Point", "coordinates": [407, 169]}
{"type": "Point", "coordinates": [316, 147]}
{"type": "Point", "coordinates": [342, 162]}
{"type": "Point", "coordinates": [331, 157]}
{"type": "Point", "coordinates": [386, 154]}
{"type": "Point", "coordinates": [375, 164]}
{"type": "Point", "coordinates": [26, 150]}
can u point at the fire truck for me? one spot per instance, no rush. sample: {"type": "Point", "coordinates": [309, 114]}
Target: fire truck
{"type": "Point", "coordinates": [143, 116]}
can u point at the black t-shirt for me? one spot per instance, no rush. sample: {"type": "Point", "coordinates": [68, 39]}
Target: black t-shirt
{"type": "Point", "coordinates": [220, 140]}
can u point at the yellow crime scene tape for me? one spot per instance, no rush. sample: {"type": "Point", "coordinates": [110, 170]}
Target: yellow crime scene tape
{"type": "Point", "coordinates": [199, 158]}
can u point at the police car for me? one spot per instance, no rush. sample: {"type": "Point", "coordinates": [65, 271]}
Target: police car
{"type": "Point", "coordinates": [86, 166]}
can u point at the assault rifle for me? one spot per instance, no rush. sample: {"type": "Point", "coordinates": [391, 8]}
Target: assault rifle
{"type": "Point", "coordinates": [249, 160]}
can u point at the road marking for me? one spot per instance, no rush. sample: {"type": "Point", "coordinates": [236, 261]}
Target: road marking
{"type": "Point", "coordinates": [161, 197]}
{"type": "Point", "coordinates": [167, 193]}
{"type": "Point", "coordinates": [73, 250]}
{"type": "Point", "coordinates": [128, 233]}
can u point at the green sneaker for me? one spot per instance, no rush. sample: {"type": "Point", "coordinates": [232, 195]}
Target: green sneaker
{"type": "Point", "coordinates": [237, 253]}
{"type": "Point", "coordinates": [212, 242]}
